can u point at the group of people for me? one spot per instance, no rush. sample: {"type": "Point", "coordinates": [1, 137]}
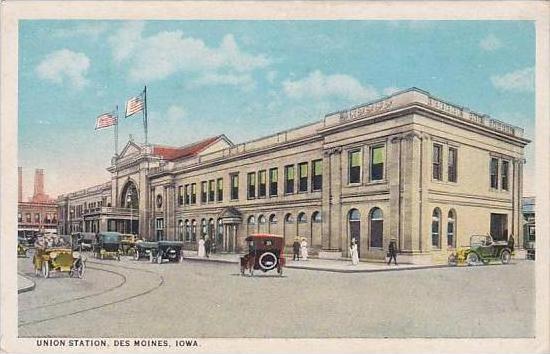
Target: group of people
{"type": "Point", "coordinates": [299, 249]}
{"type": "Point", "coordinates": [205, 247]}
{"type": "Point", "coordinates": [354, 252]}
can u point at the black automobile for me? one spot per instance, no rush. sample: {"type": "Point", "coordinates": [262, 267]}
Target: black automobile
{"type": "Point", "coordinates": [159, 251]}
{"type": "Point", "coordinates": [107, 245]}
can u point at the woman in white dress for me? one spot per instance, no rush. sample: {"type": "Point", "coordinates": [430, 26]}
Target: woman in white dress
{"type": "Point", "coordinates": [354, 253]}
{"type": "Point", "coordinates": [202, 250]}
{"type": "Point", "coordinates": [303, 249]}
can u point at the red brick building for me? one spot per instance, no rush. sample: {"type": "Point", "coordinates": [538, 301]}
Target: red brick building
{"type": "Point", "coordinates": [39, 213]}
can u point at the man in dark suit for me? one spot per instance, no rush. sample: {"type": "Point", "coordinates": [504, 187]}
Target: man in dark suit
{"type": "Point", "coordinates": [392, 252]}
{"type": "Point", "coordinates": [296, 250]}
{"type": "Point", "coordinates": [208, 246]}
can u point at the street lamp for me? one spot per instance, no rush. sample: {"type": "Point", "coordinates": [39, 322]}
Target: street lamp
{"type": "Point", "coordinates": [129, 201]}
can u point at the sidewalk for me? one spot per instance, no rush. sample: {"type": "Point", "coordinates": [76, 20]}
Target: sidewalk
{"type": "Point", "coordinates": [325, 265]}
{"type": "Point", "coordinates": [24, 284]}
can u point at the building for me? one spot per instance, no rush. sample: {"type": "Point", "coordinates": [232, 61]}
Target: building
{"type": "Point", "coordinates": [409, 166]}
{"type": "Point", "coordinates": [39, 213]}
{"type": "Point", "coordinates": [529, 236]}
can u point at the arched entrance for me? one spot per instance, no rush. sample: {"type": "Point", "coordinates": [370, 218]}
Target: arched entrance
{"type": "Point", "coordinates": [354, 225]}
{"type": "Point", "coordinates": [129, 199]}
{"type": "Point", "coordinates": [230, 218]}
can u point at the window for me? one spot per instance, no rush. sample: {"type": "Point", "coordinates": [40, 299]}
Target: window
{"type": "Point", "coordinates": [193, 230]}
{"type": "Point", "coordinates": [289, 179]}
{"type": "Point", "coordinates": [451, 173]}
{"type": "Point", "coordinates": [187, 195]}
{"type": "Point", "coordinates": [302, 182]}
{"type": "Point", "coordinates": [251, 220]}
{"type": "Point", "coordinates": [317, 175]}
{"type": "Point", "coordinates": [262, 186]}
{"type": "Point", "coordinates": [203, 192]}
{"type": "Point", "coordinates": [436, 162]}
{"type": "Point", "coordinates": [376, 228]}
{"type": "Point", "coordinates": [302, 218]}
{"type": "Point", "coordinates": [316, 217]}
{"type": "Point", "coordinates": [180, 229]}
{"type": "Point", "coordinates": [289, 219]}
{"type": "Point", "coordinates": [436, 228]}
{"type": "Point", "coordinates": [219, 183]}
{"type": "Point", "coordinates": [251, 178]}
{"type": "Point", "coordinates": [211, 190]}
{"type": "Point", "coordinates": [377, 159]}
{"type": "Point", "coordinates": [261, 220]}
{"type": "Point", "coordinates": [28, 217]}
{"type": "Point", "coordinates": [19, 217]}
{"type": "Point", "coordinates": [203, 227]}
{"type": "Point", "coordinates": [235, 186]}
{"type": "Point", "coordinates": [273, 219]}
{"type": "Point", "coordinates": [193, 193]}
{"type": "Point", "coordinates": [37, 217]}
{"type": "Point", "coordinates": [160, 229]}
{"type": "Point", "coordinates": [451, 220]}
{"type": "Point", "coordinates": [494, 173]}
{"type": "Point", "coordinates": [273, 177]}
{"type": "Point", "coordinates": [354, 166]}
{"type": "Point", "coordinates": [504, 175]}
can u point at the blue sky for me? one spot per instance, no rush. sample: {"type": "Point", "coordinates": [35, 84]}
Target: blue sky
{"type": "Point", "coordinates": [247, 79]}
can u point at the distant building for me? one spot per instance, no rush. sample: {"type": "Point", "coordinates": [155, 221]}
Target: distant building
{"type": "Point", "coordinates": [528, 210]}
{"type": "Point", "coordinates": [39, 213]}
{"type": "Point", "coordinates": [410, 166]}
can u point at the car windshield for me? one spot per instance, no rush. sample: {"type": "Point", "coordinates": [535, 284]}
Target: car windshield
{"type": "Point", "coordinates": [480, 240]}
{"type": "Point", "coordinates": [110, 238]}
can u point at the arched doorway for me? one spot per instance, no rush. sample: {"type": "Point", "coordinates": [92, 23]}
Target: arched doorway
{"type": "Point", "coordinates": [376, 228]}
{"type": "Point", "coordinates": [129, 199]}
{"type": "Point", "coordinates": [354, 226]}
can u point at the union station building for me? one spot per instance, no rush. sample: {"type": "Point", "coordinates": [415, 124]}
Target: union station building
{"type": "Point", "coordinates": [409, 167]}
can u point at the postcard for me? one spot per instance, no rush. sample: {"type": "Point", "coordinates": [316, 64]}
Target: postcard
{"type": "Point", "coordinates": [260, 177]}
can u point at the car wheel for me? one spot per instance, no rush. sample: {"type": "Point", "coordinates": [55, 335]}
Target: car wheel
{"type": "Point", "coordinates": [472, 259]}
{"type": "Point", "coordinates": [136, 256]}
{"type": "Point", "coordinates": [505, 257]}
{"type": "Point", "coordinates": [80, 271]}
{"type": "Point", "coordinates": [46, 269]}
{"type": "Point", "coordinates": [159, 258]}
{"type": "Point", "coordinates": [151, 258]}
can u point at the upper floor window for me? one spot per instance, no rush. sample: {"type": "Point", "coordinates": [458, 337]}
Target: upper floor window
{"type": "Point", "coordinates": [262, 184]}
{"type": "Point", "coordinates": [273, 178]}
{"type": "Point", "coordinates": [436, 162]}
{"type": "Point", "coordinates": [234, 186]}
{"type": "Point", "coordinates": [377, 159]}
{"type": "Point", "coordinates": [354, 166]}
{"type": "Point", "coordinates": [302, 182]}
{"type": "Point", "coordinates": [211, 190]}
{"type": "Point", "coordinates": [317, 175]}
{"type": "Point", "coordinates": [251, 178]}
{"type": "Point", "coordinates": [203, 192]}
{"type": "Point", "coordinates": [193, 193]}
{"type": "Point", "coordinates": [289, 179]}
{"type": "Point", "coordinates": [504, 175]}
{"type": "Point", "coordinates": [219, 183]}
{"type": "Point", "coordinates": [28, 217]}
{"type": "Point", "coordinates": [452, 165]}
{"type": "Point", "coordinates": [37, 217]}
{"type": "Point", "coordinates": [19, 217]}
{"type": "Point", "coordinates": [494, 173]}
{"type": "Point", "coordinates": [187, 195]}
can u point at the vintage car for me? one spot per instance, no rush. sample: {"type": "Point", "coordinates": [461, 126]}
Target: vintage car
{"type": "Point", "coordinates": [482, 249]}
{"type": "Point", "coordinates": [128, 244]}
{"type": "Point", "coordinates": [82, 241]}
{"type": "Point", "coordinates": [143, 249]}
{"type": "Point", "coordinates": [265, 253]}
{"type": "Point", "coordinates": [107, 245]}
{"type": "Point", "coordinates": [54, 255]}
{"type": "Point", "coordinates": [22, 250]}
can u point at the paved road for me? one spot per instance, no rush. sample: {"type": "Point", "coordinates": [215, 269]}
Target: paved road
{"type": "Point", "coordinates": [199, 299]}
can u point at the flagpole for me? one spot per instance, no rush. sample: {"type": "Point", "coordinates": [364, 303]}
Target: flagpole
{"type": "Point", "coordinates": [145, 112]}
{"type": "Point", "coordinates": [116, 132]}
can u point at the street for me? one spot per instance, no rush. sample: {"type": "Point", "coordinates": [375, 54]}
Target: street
{"type": "Point", "coordinates": [206, 299]}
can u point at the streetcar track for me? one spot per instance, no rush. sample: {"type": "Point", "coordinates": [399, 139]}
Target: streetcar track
{"type": "Point", "coordinates": [161, 283]}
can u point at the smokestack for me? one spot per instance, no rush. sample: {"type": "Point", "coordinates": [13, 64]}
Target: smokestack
{"type": "Point", "coordinates": [39, 182]}
{"type": "Point", "coordinates": [20, 187]}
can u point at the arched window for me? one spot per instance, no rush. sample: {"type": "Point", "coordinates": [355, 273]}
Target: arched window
{"type": "Point", "coordinates": [194, 230]}
{"type": "Point", "coordinates": [302, 218]}
{"type": "Point", "coordinates": [203, 227]}
{"type": "Point", "coordinates": [273, 219]}
{"type": "Point", "coordinates": [180, 230]}
{"type": "Point", "coordinates": [261, 220]}
{"type": "Point", "coordinates": [354, 224]}
{"type": "Point", "coordinates": [354, 215]}
{"type": "Point", "coordinates": [436, 228]}
{"type": "Point", "coordinates": [376, 228]}
{"type": "Point", "coordinates": [219, 233]}
{"type": "Point", "coordinates": [211, 229]}
{"type": "Point", "coordinates": [251, 220]}
{"type": "Point", "coordinates": [289, 219]}
{"type": "Point", "coordinates": [451, 228]}
{"type": "Point", "coordinates": [316, 216]}
{"type": "Point", "coordinates": [187, 231]}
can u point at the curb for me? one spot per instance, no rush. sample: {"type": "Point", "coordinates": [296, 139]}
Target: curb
{"type": "Point", "coordinates": [26, 288]}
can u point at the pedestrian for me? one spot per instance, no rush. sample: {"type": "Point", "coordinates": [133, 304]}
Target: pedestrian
{"type": "Point", "coordinates": [511, 242]}
{"type": "Point", "coordinates": [303, 249]}
{"type": "Point", "coordinates": [392, 252]}
{"type": "Point", "coordinates": [354, 252]}
{"type": "Point", "coordinates": [202, 251]}
{"type": "Point", "coordinates": [296, 250]}
{"type": "Point", "coordinates": [208, 247]}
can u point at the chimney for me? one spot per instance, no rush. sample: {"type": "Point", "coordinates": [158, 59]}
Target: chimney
{"type": "Point", "coordinates": [38, 182]}
{"type": "Point", "coordinates": [20, 186]}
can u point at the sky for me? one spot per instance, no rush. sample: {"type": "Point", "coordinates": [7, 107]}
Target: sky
{"type": "Point", "coordinates": [248, 79]}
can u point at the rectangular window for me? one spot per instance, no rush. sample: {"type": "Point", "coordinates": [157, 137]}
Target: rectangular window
{"type": "Point", "coordinates": [193, 193]}
{"type": "Point", "coordinates": [452, 170]}
{"type": "Point", "coordinates": [180, 195]}
{"type": "Point", "coordinates": [19, 217]}
{"type": "Point", "coordinates": [302, 182]}
{"type": "Point", "coordinates": [28, 217]}
{"type": "Point", "coordinates": [203, 192]}
{"type": "Point", "coordinates": [262, 184]}
{"type": "Point", "coordinates": [160, 229]}
{"type": "Point", "coordinates": [37, 217]}
{"type": "Point", "coordinates": [317, 175]}
{"type": "Point", "coordinates": [235, 186]}
{"type": "Point", "coordinates": [354, 166]}
{"type": "Point", "coordinates": [289, 179]}
{"type": "Point", "coordinates": [211, 190]}
{"type": "Point", "coordinates": [273, 178]}
{"type": "Point", "coordinates": [219, 183]}
{"type": "Point", "coordinates": [251, 182]}
{"type": "Point", "coordinates": [494, 173]}
{"type": "Point", "coordinates": [504, 175]}
{"type": "Point", "coordinates": [377, 159]}
{"type": "Point", "coordinates": [187, 194]}
{"type": "Point", "coordinates": [436, 162]}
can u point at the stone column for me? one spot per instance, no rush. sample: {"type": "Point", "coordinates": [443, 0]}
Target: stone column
{"type": "Point", "coordinates": [393, 175]}
{"type": "Point", "coordinates": [325, 200]}
{"type": "Point", "coordinates": [425, 212]}
{"type": "Point", "coordinates": [337, 178]}
{"type": "Point", "coordinates": [171, 212]}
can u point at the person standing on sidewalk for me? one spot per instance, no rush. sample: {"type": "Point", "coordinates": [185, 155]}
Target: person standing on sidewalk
{"type": "Point", "coordinates": [392, 252]}
{"type": "Point", "coordinates": [296, 250]}
{"type": "Point", "coordinates": [354, 252]}
{"type": "Point", "coordinates": [202, 251]}
{"type": "Point", "coordinates": [208, 247]}
{"type": "Point", "coordinates": [303, 249]}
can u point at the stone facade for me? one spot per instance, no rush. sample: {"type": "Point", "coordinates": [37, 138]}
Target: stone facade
{"type": "Point", "coordinates": [411, 167]}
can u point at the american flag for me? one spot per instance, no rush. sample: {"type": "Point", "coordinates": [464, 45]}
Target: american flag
{"type": "Point", "coordinates": [105, 120]}
{"type": "Point", "coordinates": [134, 105]}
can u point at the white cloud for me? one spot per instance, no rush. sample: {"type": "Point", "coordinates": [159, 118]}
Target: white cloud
{"type": "Point", "coordinates": [244, 82]}
{"type": "Point", "coordinates": [165, 53]}
{"type": "Point", "coordinates": [90, 30]}
{"type": "Point", "coordinates": [388, 91]}
{"type": "Point", "coordinates": [522, 80]}
{"type": "Point", "coordinates": [490, 43]}
{"type": "Point", "coordinates": [319, 86]}
{"type": "Point", "coordinates": [175, 113]}
{"type": "Point", "coordinates": [64, 66]}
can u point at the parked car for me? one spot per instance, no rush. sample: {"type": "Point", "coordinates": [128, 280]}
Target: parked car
{"type": "Point", "coordinates": [482, 249]}
{"type": "Point", "coordinates": [82, 241]}
{"type": "Point", "coordinates": [143, 249]}
{"type": "Point", "coordinates": [265, 253]}
{"type": "Point", "coordinates": [128, 244]}
{"type": "Point", "coordinates": [107, 245]}
{"type": "Point", "coordinates": [22, 250]}
{"type": "Point", "coordinates": [53, 254]}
